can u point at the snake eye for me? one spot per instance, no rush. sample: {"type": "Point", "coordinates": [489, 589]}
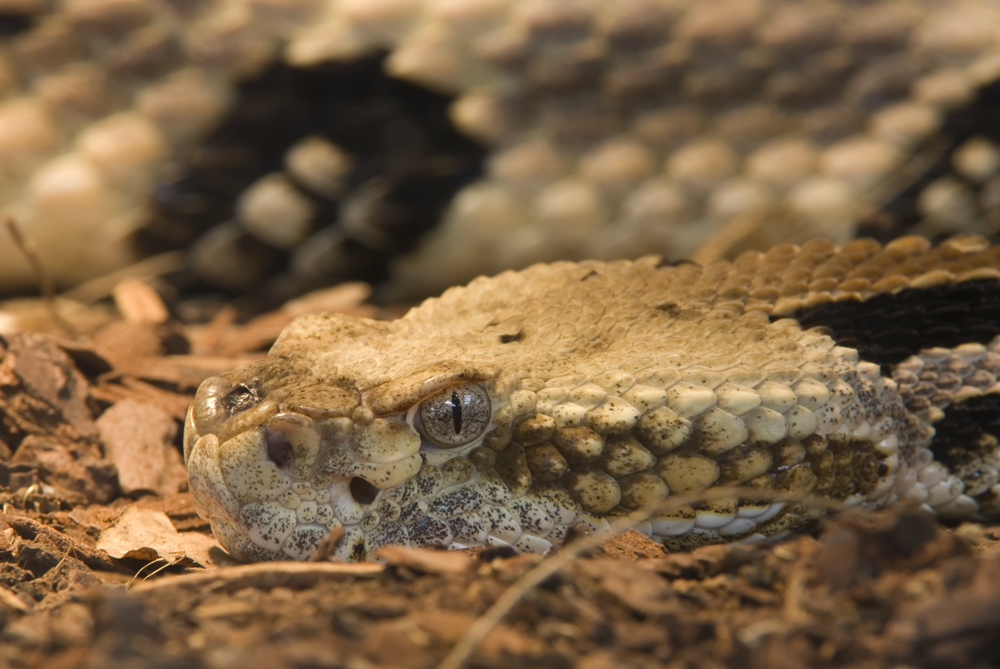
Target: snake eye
{"type": "Point", "coordinates": [454, 416]}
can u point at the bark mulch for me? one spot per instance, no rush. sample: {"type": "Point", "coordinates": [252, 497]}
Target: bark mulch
{"type": "Point", "coordinates": [104, 562]}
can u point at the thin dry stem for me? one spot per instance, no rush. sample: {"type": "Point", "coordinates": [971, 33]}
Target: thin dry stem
{"type": "Point", "coordinates": [148, 268]}
{"type": "Point", "coordinates": [262, 575]}
{"type": "Point", "coordinates": [143, 568]}
{"type": "Point", "coordinates": [46, 285]}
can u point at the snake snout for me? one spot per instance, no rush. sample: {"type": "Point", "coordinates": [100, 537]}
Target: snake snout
{"type": "Point", "coordinates": [238, 401]}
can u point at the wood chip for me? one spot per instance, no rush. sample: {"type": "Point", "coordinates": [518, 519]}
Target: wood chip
{"type": "Point", "coordinates": [633, 545]}
{"type": "Point", "coordinates": [139, 303]}
{"type": "Point", "coordinates": [127, 387]}
{"type": "Point", "coordinates": [43, 391]}
{"type": "Point", "coordinates": [426, 560]}
{"type": "Point", "coordinates": [139, 439]}
{"type": "Point", "coordinates": [94, 558]}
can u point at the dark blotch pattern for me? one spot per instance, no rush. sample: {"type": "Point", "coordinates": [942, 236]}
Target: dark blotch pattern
{"type": "Point", "coordinates": [887, 329]}
{"type": "Point", "coordinates": [901, 212]}
{"type": "Point", "coordinates": [304, 540]}
{"type": "Point", "coordinates": [399, 137]}
{"type": "Point", "coordinates": [457, 501]}
{"type": "Point", "coordinates": [965, 423]}
{"type": "Point", "coordinates": [966, 436]}
{"type": "Point", "coordinates": [430, 531]}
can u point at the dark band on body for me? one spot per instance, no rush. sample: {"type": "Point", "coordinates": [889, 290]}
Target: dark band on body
{"type": "Point", "coordinates": [889, 328]}
{"type": "Point", "coordinates": [965, 441]}
{"type": "Point", "coordinates": [901, 212]}
{"type": "Point", "coordinates": [407, 161]}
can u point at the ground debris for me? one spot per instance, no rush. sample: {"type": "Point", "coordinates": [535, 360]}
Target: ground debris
{"type": "Point", "coordinates": [41, 392]}
{"type": "Point", "coordinates": [35, 539]}
{"type": "Point", "coordinates": [105, 562]}
{"type": "Point", "coordinates": [139, 441]}
{"type": "Point", "coordinates": [743, 607]}
{"type": "Point", "coordinates": [425, 560]}
{"type": "Point", "coordinates": [148, 535]}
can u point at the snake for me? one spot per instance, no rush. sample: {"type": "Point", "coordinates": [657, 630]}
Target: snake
{"type": "Point", "coordinates": [507, 411]}
{"type": "Point", "coordinates": [568, 392]}
{"type": "Point", "coordinates": [254, 133]}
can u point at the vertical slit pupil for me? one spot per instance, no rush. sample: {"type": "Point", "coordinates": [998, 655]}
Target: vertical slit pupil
{"type": "Point", "coordinates": [456, 412]}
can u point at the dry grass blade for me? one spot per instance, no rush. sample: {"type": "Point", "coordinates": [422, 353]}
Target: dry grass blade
{"type": "Point", "coordinates": [132, 580]}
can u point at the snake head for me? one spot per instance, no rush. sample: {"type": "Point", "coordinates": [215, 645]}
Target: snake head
{"type": "Point", "coordinates": [280, 452]}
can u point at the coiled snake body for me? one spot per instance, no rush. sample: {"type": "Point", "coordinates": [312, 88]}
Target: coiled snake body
{"type": "Point", "coordinates": [505, 411]}
{"type": "Point", "coordinates": [613, 129]}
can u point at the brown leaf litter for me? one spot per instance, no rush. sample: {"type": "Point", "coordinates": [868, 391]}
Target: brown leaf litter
{"type": "Point", "coordinates": [104, 562]}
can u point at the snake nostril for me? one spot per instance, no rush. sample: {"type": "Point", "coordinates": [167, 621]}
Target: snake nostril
{"type": "Point", "coordinates": [279, 448]}
{"type": "Point", "coordinates": [362, 491]}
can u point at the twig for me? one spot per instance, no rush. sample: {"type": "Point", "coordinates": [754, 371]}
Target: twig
{"type": "Point", "coordinates": [475, 635]}
{"type": "Point", "coordinates": [794, 594]}
{"type": "Point", "coordinates": [161, 568]}
{"type": "Point", "coordinates": [46, 285]}
{"type": "Point", "coordinates": [262, 575]}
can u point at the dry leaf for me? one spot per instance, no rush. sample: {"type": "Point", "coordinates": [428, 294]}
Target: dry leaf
{"type": "Point", "coordinates": [139, 440]}
{"type": "Point", "coordinates": [147, 535]}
